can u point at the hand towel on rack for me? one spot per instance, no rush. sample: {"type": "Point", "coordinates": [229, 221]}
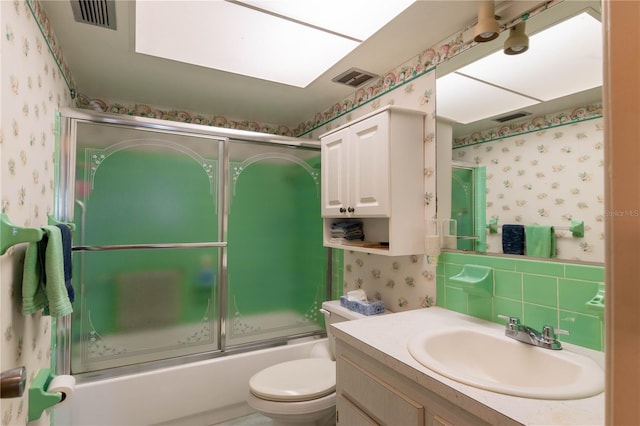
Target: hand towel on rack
{"type": "Point", "coordinates": [513, 239]}
{"type": "Point", "coordinates": [43, 284]}
{"type": "Point", "coordinates": [34, 296]}
{"type": "Point", "coordinates": [540, 241]}
{"type": "Point", "coordinates": [65, 232]}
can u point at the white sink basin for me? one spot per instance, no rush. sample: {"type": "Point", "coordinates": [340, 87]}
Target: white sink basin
{"type": "Point", "coordinates": [486, 359]}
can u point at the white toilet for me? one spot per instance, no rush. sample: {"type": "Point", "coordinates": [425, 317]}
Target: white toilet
{"type": "Point", "coordinates": [302, 392]}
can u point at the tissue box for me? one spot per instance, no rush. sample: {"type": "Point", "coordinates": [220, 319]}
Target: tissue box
{"type": "Point", "coordinates": [364, 308]}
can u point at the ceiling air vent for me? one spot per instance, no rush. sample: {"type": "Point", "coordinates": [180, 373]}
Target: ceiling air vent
{"type": "Point", "coordinates": [101, 13]}
{"type": "Point", "coordinates": [354, 77]}
{"type": "Point", "coordinates": [510, 117]}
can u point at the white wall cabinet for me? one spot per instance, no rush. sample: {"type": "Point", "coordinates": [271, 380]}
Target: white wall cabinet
{"type": "Point", "coordinates": [373, 172]}
{"type": "Point", "coordinates": [370, 393]}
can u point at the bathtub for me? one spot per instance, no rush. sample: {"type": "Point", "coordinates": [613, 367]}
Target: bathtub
{"type": "Point", "coordinates": [199, 393]}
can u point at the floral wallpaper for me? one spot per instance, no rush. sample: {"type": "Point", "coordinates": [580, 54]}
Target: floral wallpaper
{"type": "Point", "coordinates": [548, 171]}
{"type": "Point", "coordinates": [32, 88]}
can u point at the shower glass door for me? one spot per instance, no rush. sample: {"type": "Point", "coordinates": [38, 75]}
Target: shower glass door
{"type": "Point", "coordinates": [136, 191]}
{"type": "Point", "coordinates": [190, 243]}
{"type": "Point", "coordinates": [276, 261]}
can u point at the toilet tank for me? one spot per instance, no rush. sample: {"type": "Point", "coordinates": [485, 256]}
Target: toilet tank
{"type": "Point", "coordinates": [333, 313]}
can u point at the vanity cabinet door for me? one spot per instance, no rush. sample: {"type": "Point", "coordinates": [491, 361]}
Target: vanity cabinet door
{"type": "Point", "coordinates": [375, 397]}
{"type": "Point", "coordinates": [370, 389]}
{"type": "Point", "coordinates": [348, 414]}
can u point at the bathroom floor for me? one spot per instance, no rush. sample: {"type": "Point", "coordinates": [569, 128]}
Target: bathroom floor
{"type": "Point", "coordinates": [250, 420]}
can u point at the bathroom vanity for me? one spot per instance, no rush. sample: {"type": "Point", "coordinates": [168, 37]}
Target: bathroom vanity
{"type": "Point", "coordinates": [379, 382]}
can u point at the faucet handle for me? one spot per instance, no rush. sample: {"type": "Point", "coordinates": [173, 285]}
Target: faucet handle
{"type": "Point", "coordinates": [550, 333]}
{"type": "Point", "coordinates": [512, 323]}
{"type": "Point", "coordinates": [509, 320]}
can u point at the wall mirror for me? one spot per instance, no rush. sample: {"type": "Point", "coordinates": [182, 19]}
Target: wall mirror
{"type": "Point", "coordinates": [527, 130]}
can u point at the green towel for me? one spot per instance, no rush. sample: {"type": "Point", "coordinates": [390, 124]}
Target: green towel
{"type": "Point", "coordinates": [540, 241]}
{"type": "Point", "coordinates": [34, 297]}
{"type": "Point", "coordinates": [43, 284]}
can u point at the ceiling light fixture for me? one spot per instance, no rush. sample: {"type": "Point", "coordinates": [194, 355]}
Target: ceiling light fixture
{"type": "Point", "coordinates": [518, 42]}
{"type": "Point", "coordinates": [290, 42]}
{"type": "Point", "coordinates": [487, 27]}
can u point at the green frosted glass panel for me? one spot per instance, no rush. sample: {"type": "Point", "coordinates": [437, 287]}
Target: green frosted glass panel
{"type": "Point", "coordinates": [276, 261]}
{"type": "Point", "coordinates": [462, 205]}
{"type": "Point", "coordinates": [139, 187]}
{"type": "Point", "coordinates": [337, 269]}
{"type": "Point", "coordinates": [480, 221]}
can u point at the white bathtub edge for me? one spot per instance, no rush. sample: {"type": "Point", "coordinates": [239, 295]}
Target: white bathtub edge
{"type": "Point", "coordinates": [203, 390]}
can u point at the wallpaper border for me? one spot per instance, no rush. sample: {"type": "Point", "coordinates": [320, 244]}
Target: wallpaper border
{"type": "Point", "coordinates": [531, 125]}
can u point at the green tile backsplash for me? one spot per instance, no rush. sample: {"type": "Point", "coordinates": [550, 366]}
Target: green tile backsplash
{"type": "Point", "coordinates": [538, 292]}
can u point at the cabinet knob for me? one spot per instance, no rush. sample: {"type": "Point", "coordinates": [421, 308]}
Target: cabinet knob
{"type": "Point", "coordinates": [351, 210]}
{"type": "Point", "coordinates": [343, 210]}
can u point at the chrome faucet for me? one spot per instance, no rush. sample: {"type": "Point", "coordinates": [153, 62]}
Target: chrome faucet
{"type": "Point", "coordinates": [522, 333]}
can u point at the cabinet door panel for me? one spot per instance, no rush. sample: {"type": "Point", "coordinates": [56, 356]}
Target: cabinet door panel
{"type": "Point", "coordinates": [382, 400]}
{"type": "Point", "coordinates": [335, 179]}
{"type": "Point", "coordinates": [369, 141]}
{"type": "Point", "coordinates": [439, 421]}
{"type": "Point", "coordinates": [350, 415]}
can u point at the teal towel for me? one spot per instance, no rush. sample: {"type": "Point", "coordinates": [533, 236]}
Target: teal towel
{"type": "Point", "coordinates": [43, 284]}
{"type": "Point", "coordinates": [540, 241]}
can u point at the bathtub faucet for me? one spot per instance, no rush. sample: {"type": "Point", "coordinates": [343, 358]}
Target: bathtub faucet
{"type": "Point", "coordinates": [522, 333]}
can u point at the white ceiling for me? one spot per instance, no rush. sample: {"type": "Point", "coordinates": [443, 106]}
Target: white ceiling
{"type": "Point", "coordinates": [104, 63]}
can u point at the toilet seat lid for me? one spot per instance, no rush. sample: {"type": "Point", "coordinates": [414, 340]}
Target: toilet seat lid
{"type": "Point", "coordinates": [298, 380]}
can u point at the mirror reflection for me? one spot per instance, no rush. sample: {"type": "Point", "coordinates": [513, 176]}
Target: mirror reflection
{"type": "Point", "coordinates": [526, 139]}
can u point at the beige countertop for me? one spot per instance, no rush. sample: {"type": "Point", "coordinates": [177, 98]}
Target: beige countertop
{"type": "Point", "coordinates": [385, 338]}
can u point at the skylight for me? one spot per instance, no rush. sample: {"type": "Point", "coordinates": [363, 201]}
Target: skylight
{"type": "Point", "coordinates": [561, 60]}
{"type": "Point", "coordinates": [285, 41]}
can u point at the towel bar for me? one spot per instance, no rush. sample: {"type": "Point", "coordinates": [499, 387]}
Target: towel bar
{"type": "Point", "coordinates": [148, 246]}
{"type": "Point", "coordinates": [54, 221]}
{"type": "Point", "coordinates": [576, 228]}
{"type": "Point", "coordinates": [11, 234]}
